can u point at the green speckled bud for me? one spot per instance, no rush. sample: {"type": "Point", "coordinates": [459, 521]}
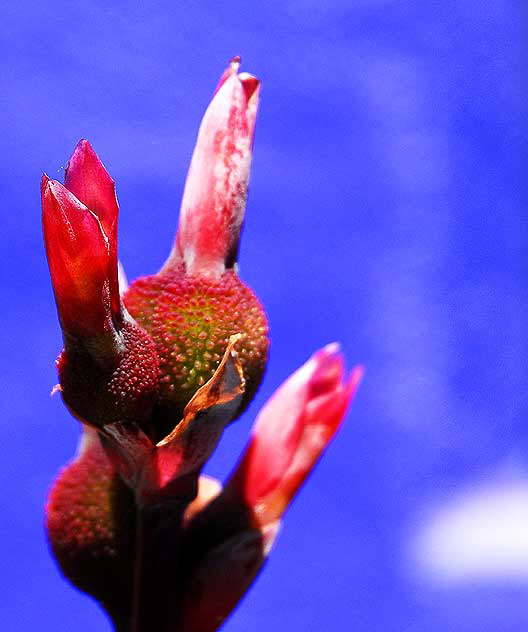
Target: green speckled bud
{"type": "Point", "coordinates": [190, 320]}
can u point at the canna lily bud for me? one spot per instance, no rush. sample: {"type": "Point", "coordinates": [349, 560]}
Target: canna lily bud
{"type": "Point", "coordinates": [87, 178]}
{"type": "Point", "coordinates": [196, 302]}
{"type": "Point", "coordinates": [291, 432]}
{"type": "Point", "coordinates": [80, 264]}
{"type": "Point", "coordinates": [156, 377]}
{"type": "Point", "coordinates": [214, 199]}
{"type": "Point", "coordinates": [233, 533]}
{"type": "Point", "coordinates": [108, 369]}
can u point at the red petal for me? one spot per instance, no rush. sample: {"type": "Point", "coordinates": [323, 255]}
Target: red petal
{"type": "Point", "coordinates": [87, 178]}
{"type": "Point", "coordinates": [215, 193]}
{"type": "Point", "coordinates": [79, 260]}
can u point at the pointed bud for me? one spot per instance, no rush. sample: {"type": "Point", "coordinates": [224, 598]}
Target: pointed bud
{"type": "Point", "coordinates": [80, 262]}
{"type": "Point", "coordinates": [197, 301]}
{"type": "Point", "coordinates": [215, 193]}
{"type": "Point", "coordinates": [229, 538]}
{"type": "Point", "coordinates": [291, 432]}
{"type": "Point", "coordinates": [108, 369]}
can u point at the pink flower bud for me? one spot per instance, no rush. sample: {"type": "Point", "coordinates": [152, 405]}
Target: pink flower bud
{"type": "Point", "coordinates": [215, 193]}
{"type": "Point", "coordinates": [291, 432]}
{"type": "Point", "coordinates": [195, 303]}
{"type": "Point", "coordinates": [233, 532]}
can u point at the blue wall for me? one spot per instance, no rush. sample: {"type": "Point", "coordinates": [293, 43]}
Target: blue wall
{"type": "Point", "coordinates": [387, 211]}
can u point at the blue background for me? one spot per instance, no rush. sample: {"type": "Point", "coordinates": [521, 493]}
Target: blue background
{"type": "Point", "coordinates": [387, 211]}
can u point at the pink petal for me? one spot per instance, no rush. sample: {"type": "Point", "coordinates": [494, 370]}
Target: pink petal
{"type": "Point", "coordinates": [80, 262]}
{"type": "Point", "coordinates": [291, 432]}
{"type": "Point", "coordinates": [215, 193]}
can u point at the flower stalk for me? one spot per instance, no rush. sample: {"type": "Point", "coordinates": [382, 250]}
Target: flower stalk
{"type": "Point", "coordinates": [156, 374]}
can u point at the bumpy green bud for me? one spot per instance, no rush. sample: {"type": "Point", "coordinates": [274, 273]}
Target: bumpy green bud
{"type": "Point", "coordinates": [190, 320]}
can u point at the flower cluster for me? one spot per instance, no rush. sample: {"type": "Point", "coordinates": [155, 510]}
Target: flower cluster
{"type": "Point", "coordinates": [155, 372]}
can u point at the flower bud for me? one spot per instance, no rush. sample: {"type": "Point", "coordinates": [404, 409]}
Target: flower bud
{"type": "Point", "coordinates": [108, 369]}
{"type": "Point", "coordinates": [291, 432]}
{"type": "Point", "coordinates": [197, 302]}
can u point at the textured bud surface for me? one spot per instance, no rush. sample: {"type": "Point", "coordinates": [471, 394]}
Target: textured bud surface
{"type": "Point", "coordinates": [90, 523]}
{"type": "Point", "coordinates": [156, 375]}
{"type": "Point", "coordinates": [190, 320]}
{"type": "Point", "coordinates": [125, 390]}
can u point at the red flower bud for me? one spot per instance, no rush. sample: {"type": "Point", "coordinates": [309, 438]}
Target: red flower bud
{"type": "Point", "coordinates": [109, 368]}
{"type": "Point", "coordinates": [81, 263]}
{"type": "Point", "coordinates": [87, 178]}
